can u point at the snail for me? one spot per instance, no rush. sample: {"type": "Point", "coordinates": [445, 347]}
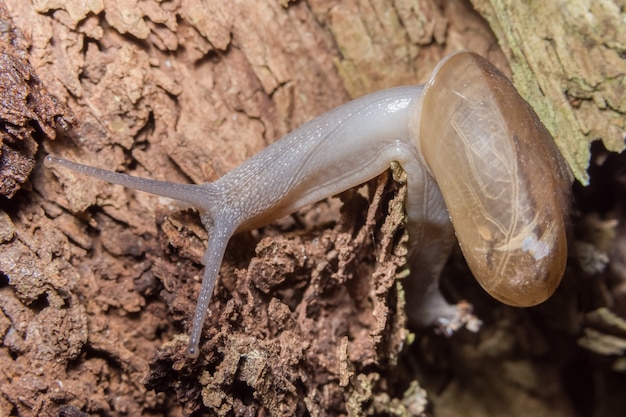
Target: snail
{"type": "Point", "coordinates": [479, 164]}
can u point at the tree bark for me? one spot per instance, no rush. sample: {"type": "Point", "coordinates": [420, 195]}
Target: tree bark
{"type": "Point", "coordinates": [98, 283]}
{"type": "Point", "coordinates": [568, 61]}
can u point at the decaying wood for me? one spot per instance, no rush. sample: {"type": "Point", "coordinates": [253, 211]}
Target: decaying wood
{"type": "Point", "coordinates": [25, 106]}
{"type": "Point", "coordinates": [98, 284]}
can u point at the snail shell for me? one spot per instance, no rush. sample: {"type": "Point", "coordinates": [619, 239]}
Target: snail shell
{"type": "Point", "coordinates": [503, 181]}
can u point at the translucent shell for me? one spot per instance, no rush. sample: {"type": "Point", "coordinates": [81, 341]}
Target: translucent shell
{"type": "Point", "coordinates": [504, 182]}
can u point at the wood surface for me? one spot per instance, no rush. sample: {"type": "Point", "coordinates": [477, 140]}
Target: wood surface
{"type": "Point", "coordinates": [98, 283]}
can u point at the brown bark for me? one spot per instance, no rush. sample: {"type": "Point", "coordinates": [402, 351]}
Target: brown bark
{"type": "Point", "coordinates": [98, 284]}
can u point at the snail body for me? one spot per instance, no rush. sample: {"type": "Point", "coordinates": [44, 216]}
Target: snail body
{"type": "Point", "coordinates": [476, 157]}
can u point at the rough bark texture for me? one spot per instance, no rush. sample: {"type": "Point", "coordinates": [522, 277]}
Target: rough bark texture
{"type": "Point", "coordinates": [567, 59]}
{"type": "Point", "coordinates": [97, 284]}
{"type": "Point", "coordinates": [25, 107]}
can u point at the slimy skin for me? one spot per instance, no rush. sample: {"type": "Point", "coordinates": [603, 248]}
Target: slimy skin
{"type": "Point", "coordinates": [476, 157]}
